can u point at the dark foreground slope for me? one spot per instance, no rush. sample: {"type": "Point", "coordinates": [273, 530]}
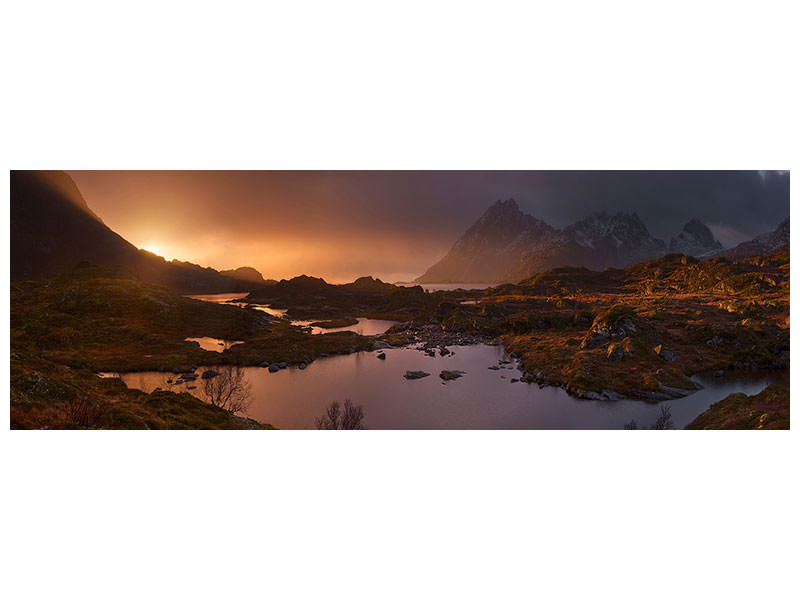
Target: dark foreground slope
{"type": "Point", "coordinates": [769, 409]}
{"type": "Point", "coordinates": [53, 229]}
{"type": "Point", "coordinates": [66, 329]}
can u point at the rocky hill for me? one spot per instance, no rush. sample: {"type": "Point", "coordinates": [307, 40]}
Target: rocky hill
{"type": "Point", "coordinates": [53, 230]}
{"type": "Point", "coordinates": [247, 274]}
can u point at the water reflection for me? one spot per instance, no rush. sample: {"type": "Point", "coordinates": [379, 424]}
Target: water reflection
{"type": "Point", "coordinates": [481, 399]}
{"type": "Point", "coordinates": [213, 344]}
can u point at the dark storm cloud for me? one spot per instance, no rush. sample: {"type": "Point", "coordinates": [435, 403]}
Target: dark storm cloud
{"type": "Point", "coordinates": [344, 223]}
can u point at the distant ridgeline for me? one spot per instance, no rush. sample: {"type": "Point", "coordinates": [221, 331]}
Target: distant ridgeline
{"type": "Point", "coordinates": [506, 245]}
{"type": "Point", "coordinates": [53, 230]}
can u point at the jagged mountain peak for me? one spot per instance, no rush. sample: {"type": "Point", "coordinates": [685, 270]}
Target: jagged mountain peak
{"type": "Point", "coordinates": [696, 239]}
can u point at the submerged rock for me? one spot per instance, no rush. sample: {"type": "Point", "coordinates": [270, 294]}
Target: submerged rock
{"type": "Point", "coordinates": [209, 374]}
{"type": "Point", "coordinates": [415, 374]}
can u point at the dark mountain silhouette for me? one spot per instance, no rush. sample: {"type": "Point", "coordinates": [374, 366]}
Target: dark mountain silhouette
{"type": "Point", "coordinates": [53, 230]}
{"type": "Point", "coordinates": [247, 274]}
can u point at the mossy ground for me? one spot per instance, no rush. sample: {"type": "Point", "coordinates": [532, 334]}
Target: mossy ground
{"type": "Point", "coordinates": [769, 409]}
{"type": "Point", "coordinates": [709, 315]}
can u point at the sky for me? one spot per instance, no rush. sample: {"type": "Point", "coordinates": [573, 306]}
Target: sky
{"type": "Point", "coordinates": [395, 224]}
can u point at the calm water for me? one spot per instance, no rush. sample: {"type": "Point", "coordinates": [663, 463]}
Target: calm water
{"type": "Point", "coordinates": [481, 399]}
{"type": "Point", "coordinates": [363, 327]}
{"type": "Point", "coordinates": [213, 344]}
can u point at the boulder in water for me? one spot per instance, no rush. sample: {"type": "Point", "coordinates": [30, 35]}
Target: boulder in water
{"type": "Point", "coordinates": [415, 374]}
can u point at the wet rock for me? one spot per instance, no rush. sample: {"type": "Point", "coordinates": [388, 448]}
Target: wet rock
{"type": "Point", "coordinates": [209, 374]}
{"type": "Point", "coordinates": [415, 374]}
{"type": "Point", "coordinates": [382, 355]}
{"type": "Point", "coordinates": [274, 368]}
{"type": "Point", "coordinates": [450, 375]}
{"type": "Point", "coordinates": [494, 368]}
{"type": "Point", "coordinates": [158, 389]}
{"type": "Point", "coordinates": [664, 353]}
{"type": "Point", "coordinates": [379, 345]}
{"type": "Point", "coordinates": [443, 351]}
{"type": "Point", "coordinates": [282, 365]}
{"type": "Point", "coordinates": [264, 364]}
{"type": "Point", "coordinates": [514, 380]}
{"type": "Point", "coordinates": [302, 366]}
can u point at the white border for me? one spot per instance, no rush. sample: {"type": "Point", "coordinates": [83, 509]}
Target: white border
{"type": "Point", "coordinates": [464, 85]}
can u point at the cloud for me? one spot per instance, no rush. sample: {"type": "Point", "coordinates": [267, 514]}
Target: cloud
{"type": "Point", "coordinates": [340, 224]}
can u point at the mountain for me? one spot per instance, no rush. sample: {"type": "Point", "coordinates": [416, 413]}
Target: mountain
{"type": "Point", "coordinates": [597, 242]}
{"type": "Point", "coordinates": [492, 245]}
{"type": "Point", "coordinates": [507, 245]}
{"type": "Point", "coordinates": [53, 230]}
{"type": "Point", "coordinates": [763, 244]}
{"type": "Point", "coordinates": [696, 239]}
{"type": "Point", "coordinates": [247, 274]}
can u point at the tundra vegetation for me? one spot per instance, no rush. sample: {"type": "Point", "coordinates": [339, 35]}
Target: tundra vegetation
{"type": "Point", "coordinates": [638, 332]}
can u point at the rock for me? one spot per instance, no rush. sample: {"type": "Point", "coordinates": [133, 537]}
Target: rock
{"type": "Point", "coordinates": [667, 355]}
{"type": "Point", "coordinates": [494, 368]}
{"type": "Point", "coordinates": [415, 374]}
{"type": "Point", "coordinates": [209, 374]}
{"type": "Point", "coordinates": [158, 389]}
{"type": "Point", "coordinates": [661, 373]}
{"type": "Point", "coordinates": [514, 380]}
{"type": "Point", "coordinates": [283, 365]}
{"type": "Point", "coordinates": [719, 373]}
{"type": "Point", "coordinates": [191, 387]}
{"type": "Point", "coordinates": [380, 345]}
{"type": "Point", "coordinates": [443, 351]}
{"type": "Point", "coordinates": [382, 355]}
{"type": "Point", "coordinates": [615, 352]}
{"type": "Point", "coordinates": [274, 368]}
{"type": "Point", "coordinates": [450, 375]}
{"type": "Point", "coordinates": [715, 341]}
{"type": "Point", "coordinates": [264, 364]}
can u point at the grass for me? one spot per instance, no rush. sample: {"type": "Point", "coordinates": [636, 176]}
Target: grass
{"type": "Point", "coordinates": [769, 409]}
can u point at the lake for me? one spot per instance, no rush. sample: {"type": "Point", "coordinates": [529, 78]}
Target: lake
{"type": "Point", "coordinates": [482, 399]}
{"type": "Point", "coordinates": [363, 327]}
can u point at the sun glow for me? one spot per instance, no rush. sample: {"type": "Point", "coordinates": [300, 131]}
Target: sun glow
{"type": "Point", "coordinates": [155, 249]}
